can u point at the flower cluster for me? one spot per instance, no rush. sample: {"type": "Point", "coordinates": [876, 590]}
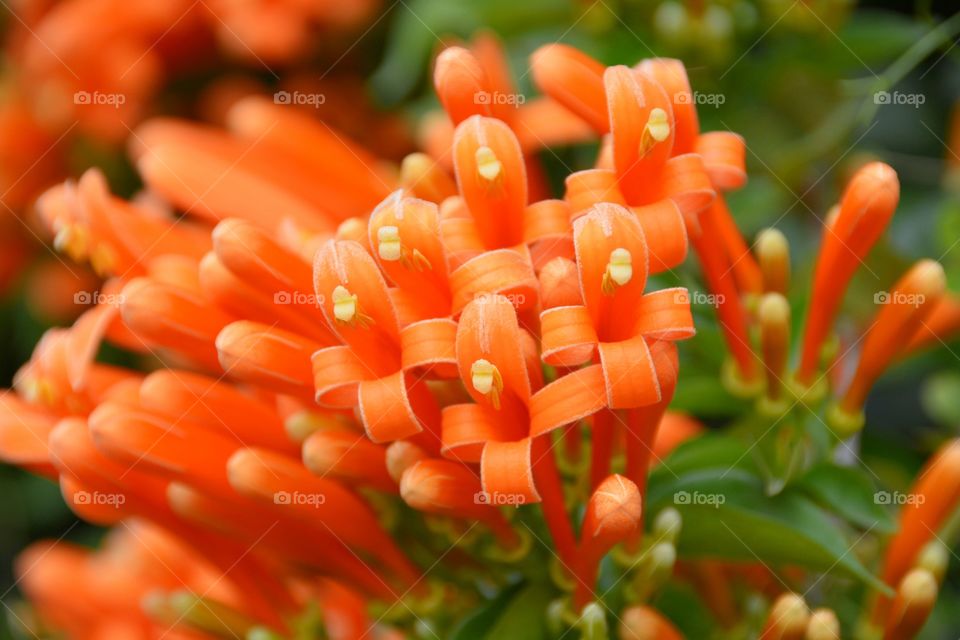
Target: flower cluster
{"type": "Point", "coordinates": [354, 371]}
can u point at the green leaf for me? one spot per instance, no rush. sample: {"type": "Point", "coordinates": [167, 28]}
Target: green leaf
{"type": "Point", "coordinates": [849, 493]}
{"type": "Point", "coordinates": [525, 615]}
{"type": "Point", "coordinates": [941, 397]}
{"type": "Point", "coordinates": [709, 451]}
{"type": "Point", "coordinates": [726, 514]}
{"type": "Point", "coordinates": [879, 36]}
{"type": "Point", "coordinates": [703, 395]}
{"type": "Point", "coordinates": [481, 620]}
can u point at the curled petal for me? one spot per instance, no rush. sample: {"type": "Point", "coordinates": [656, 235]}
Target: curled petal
{"type": "Point", "coordinates": [573, 79]}
{"type": "Point", "coordinates": [268, 356]}
{"type": "Point", "coordinates": [568, 336]}
{"type": "Point", "coordinates": [724, 157]}
{"type": "Point", "coordinates": [568, 399]}
{"type": "Point", "coordinates": [672, 76]}
{"type": "Point", "coordinates": [492, 179]}
{"type": "Point", "coordinates": [642, 125]}
{"type": "Point", "coordinates": [353, 295]}
{"type": "Point", "coordinates": [506, 469]}
{"type": "Point", "coordinates": [592, 186]}
{"type": "Point", "coordinates": [430, 346]}
{"type": "Point", "coordinates": [505, 272]}
{"type": "Point", "coordinates": [630, 376]}
{"type": "Point", "coordinates": [666, 234]}
{"type": "Point", "coordinates": [600, 236]}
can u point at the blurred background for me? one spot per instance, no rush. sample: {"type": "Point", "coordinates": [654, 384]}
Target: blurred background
{"type": "Point", "coordinates": [815, 86]}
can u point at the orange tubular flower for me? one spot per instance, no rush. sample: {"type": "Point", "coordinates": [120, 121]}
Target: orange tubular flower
{"type": "Point", "coordinates": [477, 81]}
{"type": "Point", "coordinates": [935, 496]}
{"type": "Point", "coordinates": [866, 208]}
{"type": "Point", "coordinates": [645, 623]}
{"type": "Point", "coordinates": [916, 597]}
{"type": "Point", "coordinates": [941, 324]}
{"type": "Point", "coordinates": [338, 339]}
{"type": "Point", "coordinates": [911, 300]}
{"type": "Point", "coordinates": [613, 515]}
{"type": "Point", "coordinates": [654, 131]}
{"type": "Point", "coordinates": [447, 488]}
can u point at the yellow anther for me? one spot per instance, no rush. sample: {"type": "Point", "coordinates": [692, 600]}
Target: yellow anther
{"type": "Point", "coordinates": [72, 240]}
{"type": "Point", "coordinates": [103, 259]}
{"type": "Point", "coordinates": [389, 247]}
{"type": "Point", "coordinates": [486, 379]}
{"type": "Point", "coordinates": [619, 270]}
{"type": "Point", "coordinates": [657, 129]}
{"type": "Point", "coordinates": [346, 308]}
{"type": "Point", "coordinates": [37, 391]}
{"type": "Point", "coordinates": [488, 166]}
{"type": "Point", "coordinates": [658, 125]}
{"type": "Point", "coordinates": [344, 304]}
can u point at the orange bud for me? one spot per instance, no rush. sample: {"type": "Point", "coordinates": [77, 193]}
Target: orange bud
{"type": "Point", "coordinates": [903, 312]}
{"type": "Point", "coordinates": [613, 515]}
{"type": "Point", "coordinates": [461, 84]}
{"type": "Point", "coordinates": [916, 597]}
{"type": "Point", "coordinates": [573, 79]}
{"type": "Point", "coordinates": [788, 619]}
{"type": "Point", "coordinates": [865, 211]}
{"type": "Point", "coordinates": [645, 623]}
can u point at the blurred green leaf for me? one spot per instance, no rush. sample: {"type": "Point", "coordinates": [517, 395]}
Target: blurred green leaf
{"type": "Point", "coordinates": [726, 514]}
{"type": "Point", "coordinates": [710, 451]}
{"type": "Point", "coordinates": [849, 493]}
{"type": "Point", "coordinates": [524, 616]}
{"type": "Point", "coordinates": [479, 623]}
{"type": "Point", "coordinates": [879, 36]}
{"type": "Point", "coordinates": [941, 397]}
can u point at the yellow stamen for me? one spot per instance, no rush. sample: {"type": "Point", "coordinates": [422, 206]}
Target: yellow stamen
{"type": "Point", "coordinates": [619, 270]}
{"type": "Point", "coordinates": [73, 240]}
{"type": "Point", "coordinates": [416, 260]}
{"type": "Point", "coordinates": [389, 247]}
{"type": "Point", "coordinates": [486, 379]}
{"type": "Point", "coordinates": [344, 305]}
{"type": "Point", "coordinates": [37, 391]}
{"type": "Point", "coordinates": [103, 259]}
{"type": "Point", "coordinates": [656, 130]}
{"type": "Point", "coordinates": [488, 166]}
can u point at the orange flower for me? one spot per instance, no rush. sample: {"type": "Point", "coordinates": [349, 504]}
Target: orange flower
{"type": "Point", "coordinates": [349, 353]}
{"type": "Point", "coordinates": [934, 497]}
{"type": "Point", "coordinates": [645, 623]}
{"type": "Point", "coordinates": [613, 515]}
{"type": "Point", "coordinates": [910, 301]}
{"type": "Point", "coordinates": [865, 210]}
